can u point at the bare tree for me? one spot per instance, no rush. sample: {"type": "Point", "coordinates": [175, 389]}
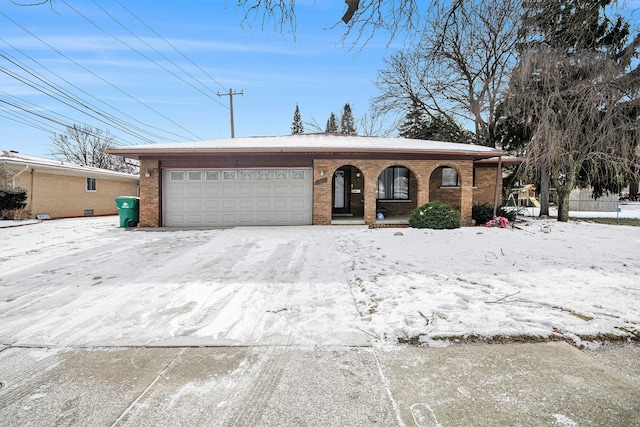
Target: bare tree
{"type": "Point", "coordinates": [459, 70]}
{"type": "Point", "coordinates": [579, 92]}
{"type": "Point", "coordinates": [372, 124]}
{"type": "Point", "coordinates": [86, 146]}
{"type": "Point", "coordinates": [363, 18]}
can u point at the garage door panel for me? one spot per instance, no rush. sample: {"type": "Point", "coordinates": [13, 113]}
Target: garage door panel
{"type": "Point", "coordinates": [194, 205]}
{"type": "Point", "coordinates": [280, 204]}
{"type": "Point", "coordinates": [263, 218]}
{"type": "Point", "coordinates": [194, 190]}
{"type": "Point", "coordinates": [298, 204]}
{"type": "Point", "coordinates": [246, 190]}
{"type": "Point", "coordinates": [212, 190]}
{"type": "Point", "coordinates": [237, 197]}
{"type": "Point", "coordinates": [212, 219]}
{"type": "Point", "coordinates": [298, 218]}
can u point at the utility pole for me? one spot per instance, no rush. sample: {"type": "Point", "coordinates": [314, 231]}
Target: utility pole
{"type": "Point", "coordinates": [230, 95]}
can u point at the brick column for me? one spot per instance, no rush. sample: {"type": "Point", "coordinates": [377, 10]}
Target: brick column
{"type": "Point", "coordinates": [150, 203]}
{"type": "Point", "coordinates": [322, 192]}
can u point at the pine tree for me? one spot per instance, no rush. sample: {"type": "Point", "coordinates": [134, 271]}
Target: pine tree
{"type": "Point", "coordinates": [332, 125]}
{"type": "Point", "coordinates": [435, 128]}
{"type": "Point", "coordinates": [347, 124]}
{"type": "Point", "coordinates": [297, 127]}
{"type": "Point", "coordinates": [414, 124]}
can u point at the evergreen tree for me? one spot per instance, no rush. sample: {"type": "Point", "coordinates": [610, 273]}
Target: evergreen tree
{"type": "Point", "coordinates": [347, 124]}
{"type": "Point", "coordinates": [297, 127]}
{"type": "Point", "coordinates": [435, 128]}
{"type": "Point", "coordinates": [414, 123]}
{"type": "Point", "coordinates": [332, 125]}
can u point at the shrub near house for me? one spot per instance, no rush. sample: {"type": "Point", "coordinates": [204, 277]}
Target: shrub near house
{"type": "Point", "coordinates": [435, 215]}
{"type": "Point", "coordinates": [12, 200]}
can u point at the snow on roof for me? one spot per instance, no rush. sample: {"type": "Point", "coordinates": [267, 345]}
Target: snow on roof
{"type": "Point", "coordinates": [14, 157]}
{"type": "Point", "coordinates": [311, 143]}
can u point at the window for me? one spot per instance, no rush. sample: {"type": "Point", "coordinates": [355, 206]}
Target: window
{"type": "Point", "coordinates": [264, 175]}
{"type": "Point", "coordinates": [195, 176]}
{"type": "Point", "coordinates": [177, 176]}
{"type": "Point", "coordinates": [211, 176]}
{"type": "Point", "coordinates": [393, 184]}
{"type": "Point", "coordinates": [91, 184]}
{"type": "Point", "coordinates": [450, 178]}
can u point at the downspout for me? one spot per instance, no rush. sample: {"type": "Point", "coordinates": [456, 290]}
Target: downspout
{"type": "Point", "coordinates": [13, 179]}
{"type": "Point", "coordinates": [497, 190]}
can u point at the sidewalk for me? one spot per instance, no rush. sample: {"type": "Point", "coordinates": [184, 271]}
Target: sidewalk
{"type": "Point", "coordinates": [549, 384]}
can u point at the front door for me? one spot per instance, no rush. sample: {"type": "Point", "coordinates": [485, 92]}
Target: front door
{"type": "Point", "coordinates": [342, 191]}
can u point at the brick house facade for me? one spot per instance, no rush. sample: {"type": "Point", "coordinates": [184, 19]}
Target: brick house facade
{"type": "Point", "coordinates": [62, 190]}
{"type": "Point", "coordinates": [360, 161]}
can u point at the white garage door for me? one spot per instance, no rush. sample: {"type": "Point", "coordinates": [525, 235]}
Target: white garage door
{"type": "Point", "coordinates": [228, 197]}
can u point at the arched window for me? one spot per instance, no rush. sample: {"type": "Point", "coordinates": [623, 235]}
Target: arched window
{"type": "Point", "coordinates": [393, 184]}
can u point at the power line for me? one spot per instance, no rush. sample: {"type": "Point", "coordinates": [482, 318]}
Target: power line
{"type": "Point", "coordinates": [138, 52]}
{"type": "Point", "coordinates": [160, 53]}
{"type": "Point", "coordinates": [30, 114]}
{"type": "Point", "coordinates": [68, 100]}
{"type": "Point", "coordinates": [99, 77]}
{"type": "Point", "coordinates": [167, 42]}
{"type": "Point", "coordinates": [67, 94]}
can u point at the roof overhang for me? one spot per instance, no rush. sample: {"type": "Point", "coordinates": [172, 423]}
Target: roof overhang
{"type": "Point", "coordinates": [323, 145]}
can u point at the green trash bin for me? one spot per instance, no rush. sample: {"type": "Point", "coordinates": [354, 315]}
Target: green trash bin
{"type": "Point", "coordinates": [128, 209]}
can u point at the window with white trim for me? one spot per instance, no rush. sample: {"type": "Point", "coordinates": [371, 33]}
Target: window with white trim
{"type": "Point", "coordinates": [91, 184]}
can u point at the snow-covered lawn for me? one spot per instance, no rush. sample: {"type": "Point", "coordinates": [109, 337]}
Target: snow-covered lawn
{"type": "Point", "coordinates": [86, 282]}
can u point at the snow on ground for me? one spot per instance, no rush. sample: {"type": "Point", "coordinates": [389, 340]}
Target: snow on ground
{"type": "Point", "coordinates": [86, 282]}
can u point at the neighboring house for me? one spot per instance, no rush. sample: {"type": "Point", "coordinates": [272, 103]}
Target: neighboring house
{"type": "Point", "coordinates": [63, 190]}
{"type": "Point", "coordinates": [308, 179]}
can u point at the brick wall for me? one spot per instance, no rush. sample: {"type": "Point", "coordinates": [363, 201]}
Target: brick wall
{"type": "Point", "coordinates": [150, 194]}
{"type": "Point", "coordinates": [63, 196]}
{"type": "Point", "coordinates": [421, 170]}
{"type": "Point", "coordinates": [484, 190]}
{"type": "Point", "coordinates": [425, 186]}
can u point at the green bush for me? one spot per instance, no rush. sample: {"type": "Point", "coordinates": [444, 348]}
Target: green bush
{"type": "Point", "coordinates": [12, 200]}
{"type": "Point", "coordinates": [436, 215]}
{"type": "Point", "coordinates": [482, 213]}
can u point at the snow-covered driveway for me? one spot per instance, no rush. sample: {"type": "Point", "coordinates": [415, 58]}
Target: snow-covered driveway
{"type": "Point", "coordinates": [86, 282]}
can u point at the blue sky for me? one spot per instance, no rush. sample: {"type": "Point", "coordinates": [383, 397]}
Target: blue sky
{"type": "Point", "coordinates": [76, 52]}
{"type": "Point", "coordinates": [205, 48]}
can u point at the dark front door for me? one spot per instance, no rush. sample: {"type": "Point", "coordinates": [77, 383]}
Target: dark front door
{"type": "Point", "coordinates": [342, 191]}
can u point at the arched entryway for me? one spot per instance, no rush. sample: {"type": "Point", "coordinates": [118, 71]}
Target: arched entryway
{"type": "Point", "coordinates": [396, 192]}
{"type": "Point", "coordinates": [445, 185]}
{"type": "Point", "coordinates": [347, 196]}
